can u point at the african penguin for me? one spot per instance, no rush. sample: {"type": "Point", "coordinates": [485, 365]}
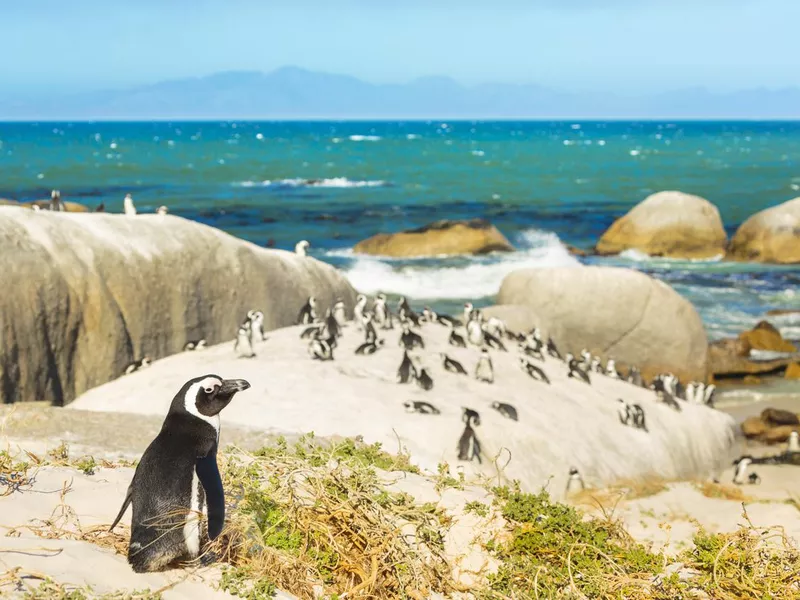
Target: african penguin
{"type": "Point", "coordinates": [445, 320]}
{"type": "Point", "coordinates": [635, 377]}
{"type": "Point", "coordinates": [531, 350]}
{"type": "Point", "coordinates": [256, 327]}
{"type": "Point", "coordinates": [596, 367]}
{"type": "Point", "coordinates": [370, 335]}
{"type": "Point", "coordinates": [370, 347]}
{"type": "Point", "coordinates": [410, 340]}
{"type": "Point", "coordinates": [128, 207]}
{"type": "Point", "coordinates": [794, 443]}
{"type": "Point", "coordinates": [177, 477]}
{"type": "Point", "coordinates": [470, 416]}
{"type": "Point", "coordinates": [495, 326]}
{"type": "Point", "coordinates": [708, 395]}
{"type": "Point", "coordinates": [162, 210]}
{"type": "Point", "coordinates": [552, 350]}
{"type": "Point", "coordinates": [469, 448]}
{"type": "Point", "coordinates": [741, 465]}
{"type": "Point", "coordinates": [664, 396]}
{"type": "Point", "coordinates": [404, 371]}
{"type": "Point", "coordinates": [638, 417]}
{"type": "Point", "coordinates": [331, 328]}
{"type": "Point", "coordinates": [424, 408]}
{"type": "Point", "coordinates": [533, 371]}
{"type": "Point", "coordinates": [383, 316]}
{"type": "Point", "coordinates": [611, 369]}
{"type": "Point", "coordinates": [429, 316]}
{"type": "Point", "coordinates": [137, 365]}
{"type": "Point", "coordinates": [358, 311]}
{"type": "Point", "coordinates": [494, 342]}
{"type": "Point", "coordinates": [753, 478]}
{"type": "Point", "coordinates": [451, 365]}
{"type": "Point", "coordinates": [475, 333]}
{"type": "Point", "coordinates": [406, 313]}
{"type": "Point", "coordinates": [312, 331]}
{"type": "Point", "coordinates": [468, 308]}
{"type": "Point", "coordinates": [195, 345]}
{"type": "Point", "coordinates": [586, 360]}
{"type": "Point", "coordinates": [508, 411]}
{"type": "Point", "coordinates": [301, 248]}
{"type": "Point", "coordinates": [424, 380]}
{"type": "Point", "coordinates": [339, 312]}
{"type": "Point", "coordinates": [577, 372]}
{"type": "Point", "coordinates": [624, 412]}
{"type": "Point", "coordinates": [308, 313]}
{"type": "Point", "coordinates": [320, 349]}
{"type": "Point", "coordinates": [244, 342]}
{"type": "Point", "coordinates": [574, 482]}
{"type": "Point", "coordinates": [55, 201]}
{"type": "Point", "coordinates": [484, 370]}
{"type": "Point", "coordinates": [456, 340]}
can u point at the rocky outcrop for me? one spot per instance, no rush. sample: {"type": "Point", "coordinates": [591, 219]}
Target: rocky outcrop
{"type": "Point", "coordinates": [72, 207]}
{"type": "Point", "coordinates": [793, 371]}
{"type": "Point", "coordinates": [670, 224]}
{"type": "Point", "coordinates": [85, 295]}
{"type": "Point", "coordinates": [614, 313]}
{"type": "Point", "coordinates": [7, 202]}
{"type": "Point", "coordinates": [729, 358]}
{"type": "Point", "coordinates": [772, 426]}
{"type": "Point", "coordinates": [765, 336]}
{"type": "Point", "coordinates": [437, 239]}
{"type": "Point", "coordinates": [772, 235]}
{"type": "Point", "coordinates": [561, 424]}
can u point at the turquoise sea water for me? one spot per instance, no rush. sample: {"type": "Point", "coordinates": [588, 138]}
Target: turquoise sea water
{"type": "Point", "coordinates": [334, 183]}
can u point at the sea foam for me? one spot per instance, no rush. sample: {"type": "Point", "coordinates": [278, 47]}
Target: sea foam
{"type": "Point", "coordinates": [333, 182]}
{"type": "Point", "coordinates": [464, 277]}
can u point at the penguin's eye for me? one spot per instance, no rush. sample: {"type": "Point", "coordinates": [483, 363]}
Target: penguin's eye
{"type": "Point", "coordinates": [209, 390]}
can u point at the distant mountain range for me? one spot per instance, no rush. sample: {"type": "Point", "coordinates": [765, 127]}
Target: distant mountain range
{"type": "Point", "coordinates": [294, 93]}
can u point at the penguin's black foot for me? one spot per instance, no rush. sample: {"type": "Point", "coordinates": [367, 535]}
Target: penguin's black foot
{"type": "Point", "coordinates": [208, 558]}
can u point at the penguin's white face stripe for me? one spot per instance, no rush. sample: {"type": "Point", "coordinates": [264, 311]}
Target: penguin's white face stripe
{"type": "Point", "coordinates": [191, 395]}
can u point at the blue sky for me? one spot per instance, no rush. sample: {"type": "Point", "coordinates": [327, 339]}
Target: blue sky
{"type": "Point", "coordinates": [627, 46]}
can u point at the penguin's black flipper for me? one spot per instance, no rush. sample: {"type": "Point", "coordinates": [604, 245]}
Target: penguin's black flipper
{"type": "Point", "coordinates": [208, 474]}
{"type": "Point", "coordinates": [125, 504]}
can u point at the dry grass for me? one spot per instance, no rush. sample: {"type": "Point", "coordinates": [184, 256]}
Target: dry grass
{"type": "Point", "coordinates": [607, 499]}
{"type": "Point", "coordinates": [709, 489]}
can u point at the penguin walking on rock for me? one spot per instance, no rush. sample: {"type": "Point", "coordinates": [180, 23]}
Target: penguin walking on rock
{"type": "Point", "coordinates": [469, 448]}
{"type": "Point", "coordinates": [475, 333]}
{"type": "Point", "coordinates": [370, 335]}
{"type": "Point", "coordinates": [533, 371]}
{"type": "Point", "coordinates": [494, 342]}
{"type": "Point", "coordinates": [404, 371]}
{"type": "Point", "coordinates": [382, 313]}
{"type": "Point", "coordinates": [508, 411]}
{"type": "Point", "coordinates": [257, 327]}
{"type": "Point", "coordinates": [308, 313]}
{"type": "Point", "coordinates": [456, 340]}
{"type": "Point", "coordinates": [244, 342]}
{"type": "Point", "coordinates": [406, 313]}
{"type": "Point", "coordinates": [322, 349]}
{"type": "Point", "coordinates": [195, 345]}
{"type": "Point", "coordinates": [358, 311]}
{"type": "Point", "coordinates": [177, 479]}
{"type": "Point", "coordinates": [552, 349]}
{"type": "Point", "coordinates": [422, 376]}
{"type": "Point", "coordinates": [577, 372]}
{"type": "Point", "coordinates": [339, 313]}
{"type": "Point", "coordinates": [638, 417]}
{"type": "Point", "coordinates": [410, 340]}
{"type": "Point", "coordinates": [452, 366]}
{"type": "Point", "coordinates": [635, 377]}
{"type": "Point", "coordinates": [575, 482]}
{"type": "Point", "coordinates": [301, 248]}
{"type": "Point", "coordinates": [369, 347]}
{"type": "Point", "coordinates": [611, 369]}
{"type": "Point", "coordinates": [137, 365]}
{"type": "Point", "coordinates": [484, 370]}
{"type": "Point", "coordinates": [423, 408]}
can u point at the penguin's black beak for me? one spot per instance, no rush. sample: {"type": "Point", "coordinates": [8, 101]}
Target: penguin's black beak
{"type": "Point", "coordinates": [231, 386]}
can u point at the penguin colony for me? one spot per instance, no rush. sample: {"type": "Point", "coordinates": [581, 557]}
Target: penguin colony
{"type": "Point", "coordinates": [375, 319]}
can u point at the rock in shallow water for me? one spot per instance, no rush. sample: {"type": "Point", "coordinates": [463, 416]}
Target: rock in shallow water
{"type": "Point", "coordinates": [772, 235]}
{"type": "Point", "coordinates": [670, 224]}
{"type": "Point", "coordinates": [437, 239]}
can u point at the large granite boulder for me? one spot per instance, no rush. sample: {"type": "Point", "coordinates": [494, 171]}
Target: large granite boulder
{"type": "Point", "coordinates": [437, 239]}
{"type": "Point", "coordinates": [85, 295]}
{"type": "Point", "coordinates": [670, 224]}
{"type": "Point", "coordinates": [772, 426]}
{"type": "Point", "coordinates": [731, 358]}
{"type": "Point", "coordinates": [614, 313]}
{"type": "Point", "coordinates": [772, 235]}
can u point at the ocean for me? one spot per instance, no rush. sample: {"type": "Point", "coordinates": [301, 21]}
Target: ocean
{"type": "Point", "coordinates": [335, 183]}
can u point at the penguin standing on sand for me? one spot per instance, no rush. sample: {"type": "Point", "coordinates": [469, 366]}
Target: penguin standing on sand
{"type": "Point", "coordinates": [552, 349]}
{"type": "Point", "coordinates": [406, 313]}
{"type": "Point", "coordinates": [55, 201]}
{"type": "Point", "coordinates": [371, 336]}
{"type": "Point", "coordinates": [611, 369]}
{"type": "Point", "coordinates": [575, 482]}
{"type": "Point", "coordinates": [308, 313]}
{"type": "Point", "coordinates": [383, 316]}
{"type": "Point", "coordinates": [452, 366]}
{"type": "Point", "coordinates": [638, 417]}
{"type": "Point", "coordinates": [624, 412]}
{"type": "Point", "coordinates": [469, 448]}
{"type": "Point", "coordinates": [596, 367]}
{"type": "Point", "coordinates": [177, 477]}
{"type": "Point", "coordinates": [664, 396]}
{"type": "Point", "coordinates": [322, 349]}
{"type": "Point", "coordinates": [475, 333]}
{"type": "Point", "coordinates": [484, 370]}
{"type": "Point", "coordinates": [635, 377]}
{"type": "Point", "coordinates": [455, 339]}
{"type": "Point", "coordinates": [128, 207]}
{"type": "Point", "coordinates": [358, 311]}
{"type": "Point", "coordinates": [257, 327]}
{"type": "Point", "coordinates": [468, 308]}
{"type": "Point", "coordinates": [741, 465]}
{"type": "Point", "coordinates": [794, 443]}
{"type": "Point", "coordinates": [494, 342]}
{"type": "Point", "coordinates": [244, 342]}
{"type": "Point", "coordinates": [508, 411]}
{"type": "Point", "coordinates": [331, 328]}
{"type": "Point", "coordinates": [301, 248]}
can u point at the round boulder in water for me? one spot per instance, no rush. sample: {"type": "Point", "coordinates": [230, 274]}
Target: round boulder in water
{"type": "Point", "coordinates": [669, 224]}
{"type": "Point", "coordinates": [772, 235]}
{"type": "Point", "coordinates": [437, 239]}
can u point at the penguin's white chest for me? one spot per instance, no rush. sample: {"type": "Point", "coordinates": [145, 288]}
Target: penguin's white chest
{"type": "Point", "coordinates": [191, 529]}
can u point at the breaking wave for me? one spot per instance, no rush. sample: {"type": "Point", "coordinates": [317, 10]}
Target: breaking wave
{"type": "Point", "coordinates": [333, 182]}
